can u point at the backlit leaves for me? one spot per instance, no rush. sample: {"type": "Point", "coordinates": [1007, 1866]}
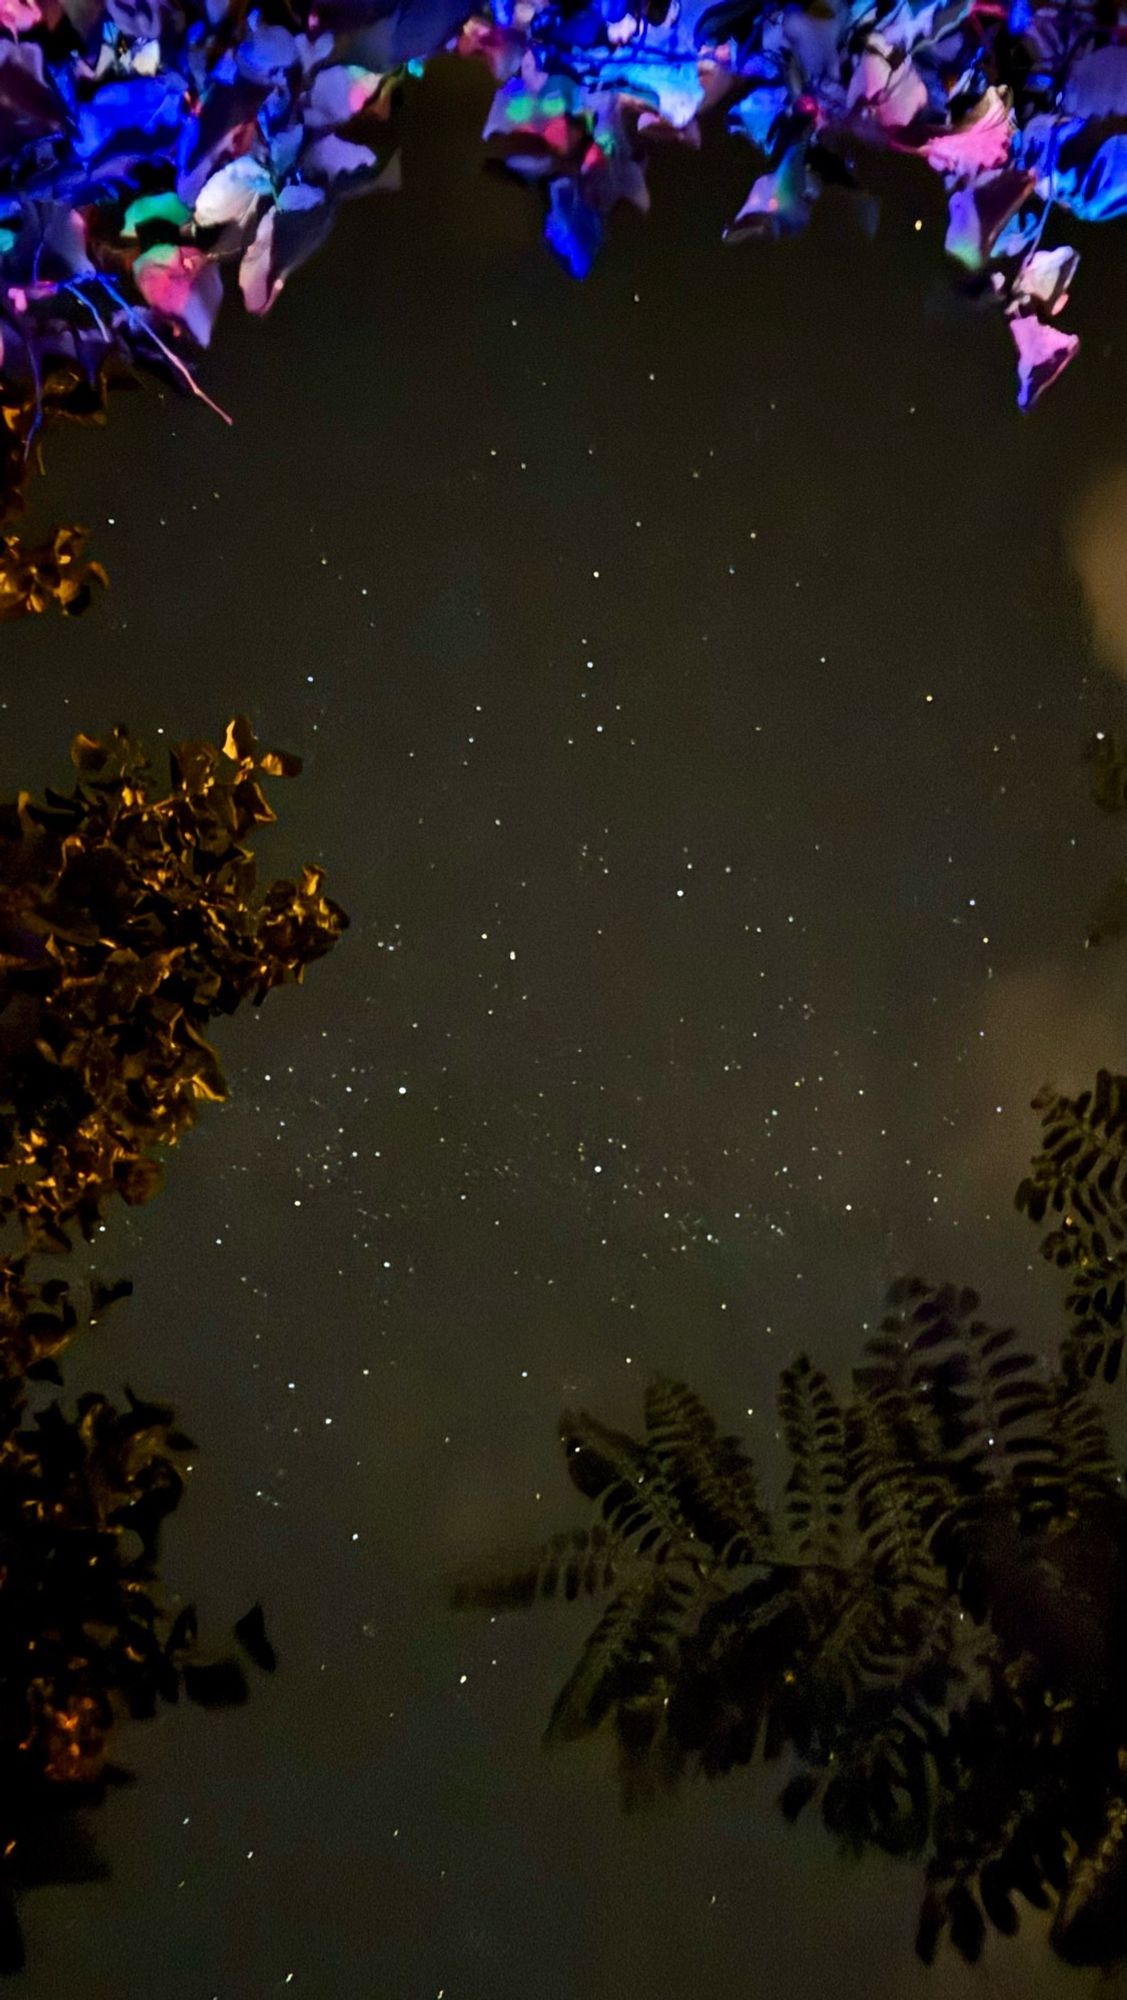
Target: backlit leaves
{"type": "Point", "coordinates": [1079, 1173]}
{"type": "Point", "coordinates": [578, 1562]}
{"type": "Point", "coordinates": [629, 1651]}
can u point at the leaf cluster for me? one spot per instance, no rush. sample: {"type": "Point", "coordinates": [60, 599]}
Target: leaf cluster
{"type": "Point", "coordinates": [927, 1623]}
{"type": "Point", "coordinates": [88, 1635]}
{"type": "Point", "coordinates": [54, 571]}
{"type": "Point", "coordinates": [129, 919]}
{"type": "Point", "coordinates": [1078, 1185]}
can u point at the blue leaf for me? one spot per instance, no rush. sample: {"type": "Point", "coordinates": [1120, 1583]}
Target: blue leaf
{"type": "Point", "coordinates": [574, 230]}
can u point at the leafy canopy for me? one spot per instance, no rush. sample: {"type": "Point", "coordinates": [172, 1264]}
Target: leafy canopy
{"type": "Point", "coordinates": [155, 159]}
{"type": "Point", "coordinates": [928, 1622]}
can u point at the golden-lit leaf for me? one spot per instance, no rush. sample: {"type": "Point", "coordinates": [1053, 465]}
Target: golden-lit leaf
{"type": "Point", "coordinates": [31, 579]}
{"type": "Point", "coordinates": [279, 764]}
{"type": "Point", "coordinates": [87, 754]}
{"type": "Point", "coordinates": [239, 743]}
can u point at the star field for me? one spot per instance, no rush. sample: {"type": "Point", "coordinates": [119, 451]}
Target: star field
{"type": "Point", "coordinates": [718, 859]}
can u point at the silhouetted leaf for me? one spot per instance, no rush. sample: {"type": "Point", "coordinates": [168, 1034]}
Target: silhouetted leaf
{"type": "Point", "coordinates": [250, 1631]}
{"type": "Point", "coordinates": [104, 1294]}
{"type": "Point", "coordinates": [45, 1371]}
{"type": "Point", "coordinates": [215, 1684]}
{"type": "Point", "coordinates": [797, 1794]}
{"type": "Point", "coordinates": [183, 1632]}
{"type": "Point", "coordinates": [815, 1435]}
{"type": "Point", "coordinates": [579, 1562]}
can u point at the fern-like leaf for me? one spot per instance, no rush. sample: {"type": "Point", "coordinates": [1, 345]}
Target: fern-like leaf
{"type": "Point", "coordinates": [1086, 1469]}
{"type": "Point", "coordinates": [579, 1562]}
{"type": "Point", "coordinates": [711, 1477]}
{"type": "Point", "coordinates": [1080, 1173]}
{"type": "Point", "coordinates": [1097, 1302]}
{"type": "Point", "coordinates": [933, 1639]}
{"type": "Point", "coordinates": [815, 1434]}
{"type": "Point", "coordinates": [989, 1398]}
{"type": "Point", "coordinates": [629, 1482]}
{"type": "Point", "coordinates": [898, 1508]}
{"type": "Point", "coordinates": [880, 1786]}
{"type": "Point", "coordinates": [738, 1671]}
{"type": "Point", "coordinates": [871, 1640]}
{"type": "Point", "coordinates": [630, 1649]}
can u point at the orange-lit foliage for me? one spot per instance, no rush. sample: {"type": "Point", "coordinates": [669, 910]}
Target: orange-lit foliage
{"type": "Point", "coordinates": [54, 571]}
{"type": "Point", "coordinates": [129, 919]}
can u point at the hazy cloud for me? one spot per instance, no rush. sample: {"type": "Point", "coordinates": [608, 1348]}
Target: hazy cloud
{"type": "Point", "coordinates": [1098, 542]}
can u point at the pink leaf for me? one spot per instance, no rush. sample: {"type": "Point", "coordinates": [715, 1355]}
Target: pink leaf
{"type": "Point", "coordinates": [983, 142]}
{"type": "Point", "coordinates": [1043, 351]}
{"type": "Point", "coordinates": [256, 281]}
{"type": "Point", "coordinates": [17, 16]}
{"type": "Point", "coordinates": [893, 97]}
{"type": "Point", "coordinates": [183, 283]}
{"type": "Point", "coordinates": [1046, 275]}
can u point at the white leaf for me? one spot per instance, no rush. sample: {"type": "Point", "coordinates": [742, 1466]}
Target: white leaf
{"type": "Point", "coordinates": [1046, 276]}
{"type": "Point", "coordinates": [255, 280]}
{"type": "Point", "coordinates": [337, 94]}
{"type": "Point", "coordinates": [329, 157]}
{"type": "Point", "coordinates": [232, 194]}
{"type": "Point", "coordinates": [297, 196]}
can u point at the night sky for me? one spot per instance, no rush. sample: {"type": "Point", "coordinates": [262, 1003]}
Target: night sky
{"type": "Point", "coordinates": [691, 670]}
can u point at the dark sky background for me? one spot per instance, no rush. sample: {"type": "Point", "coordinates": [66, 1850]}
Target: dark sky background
{"type": "Point", "coordinates": [691, 670]}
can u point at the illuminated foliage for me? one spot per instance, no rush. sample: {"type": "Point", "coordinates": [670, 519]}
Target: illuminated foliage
{"type": "Point", "coordinates": [155, 158]}
{"type": "Point", "coordinates": [129, 919]}
{"type": "Point", "coordinates": [54, 571]}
